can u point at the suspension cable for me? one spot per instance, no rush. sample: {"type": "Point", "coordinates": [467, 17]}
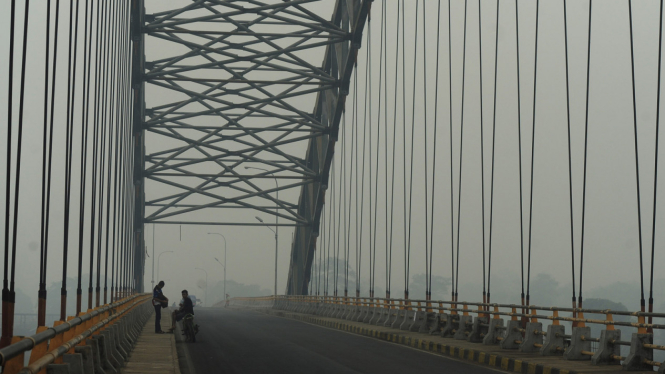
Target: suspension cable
{"type": "Point", "coordinates": [452, 184]}
{"type": "Point", "coordinates": [84, 144]}
{"type": "Point", "coordinates": [436, 112]}
{"type": "Point", "coordinates": [461, 154]}
{"type": "Point", "coordinates": [570, 156]}
{"type": "Point", "coordinates": [533, 151]}
{"type": "Point", "coordinates": [19, 145]}
{"type": "Point", "coordinates": [406, 289]}
{"type": "Point", "coordinates": [378, 147]}
{"type": "Point", "coordinates": [50, 146]}
{"type": "Point", "coordinates": [427, 259]}
{"type": "Point", "coordinates": [71, 90]}
{"type": "Point", "coordinates": [366, 114]}
{"type": "Point", "coordinates": [519, 143]}
{"type": "Point", "coordinates": [496, 71]}
{"type": "Point", "coordinates": [655, 178]}
{"type": "Point", "coordinates": [586, 142]}
{"type": "Point", "coordinates": [413, 136]}
{"type": "Point", "coordinates": [482, 143]}
{"type": "Point", "coordinates": [392, 183]}
{"type": "Point", "coordinates": [7, 295]}
{"type": "Point", "coordinates": [41, 295]}
{"type": "Point", "coordinates": [637, 160]}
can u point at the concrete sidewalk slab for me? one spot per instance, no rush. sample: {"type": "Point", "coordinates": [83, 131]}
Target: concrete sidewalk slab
{"type": "Point", "coordinates": [154, 353]}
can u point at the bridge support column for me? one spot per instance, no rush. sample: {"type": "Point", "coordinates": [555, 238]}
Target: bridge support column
{"type": "Point", "coordinates": [606, 349]}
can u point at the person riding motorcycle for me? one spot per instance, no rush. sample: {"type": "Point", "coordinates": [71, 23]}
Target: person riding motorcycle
{"type": "Point", "coordinates": [186, 307]}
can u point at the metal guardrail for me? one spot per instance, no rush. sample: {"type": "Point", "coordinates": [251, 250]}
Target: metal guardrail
{"type": "Point", "coordinates": [49, 344]}
{"type": "Point", "coordinates": [523, 327]}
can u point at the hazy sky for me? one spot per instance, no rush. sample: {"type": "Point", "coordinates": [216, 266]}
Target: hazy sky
{"type": "Point", "coordinates": [611, 237]}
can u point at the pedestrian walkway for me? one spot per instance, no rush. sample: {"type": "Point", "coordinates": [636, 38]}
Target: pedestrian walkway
{"type": "Point", "coordinates": [154, 353]}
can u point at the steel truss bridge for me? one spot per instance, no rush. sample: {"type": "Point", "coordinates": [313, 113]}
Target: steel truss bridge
{"type": "Point", "coordinates": [354, 137]}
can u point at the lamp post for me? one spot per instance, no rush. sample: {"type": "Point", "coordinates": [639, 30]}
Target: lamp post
{"type": "Point", "coordinates": [158, 259]}
{"type": "Point", "coordinates": [260, 220]}
{"type": "Point", "coordinates": [276, 217]}
{"type": "Point", "coordinates": [206, 290]}
{"type": "Point", "coordinates": [153, 256]}
{"type": "Point", "coordinates": [224, 265]}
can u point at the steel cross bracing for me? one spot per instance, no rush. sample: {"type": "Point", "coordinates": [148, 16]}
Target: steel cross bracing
{"type": "Point", "coordinates": [234, 86]}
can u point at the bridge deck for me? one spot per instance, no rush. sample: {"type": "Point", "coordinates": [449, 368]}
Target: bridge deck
{"type": "Point", "coordinates": [154, 353]}
{"type": "Point", "coordinates": [513, 361]}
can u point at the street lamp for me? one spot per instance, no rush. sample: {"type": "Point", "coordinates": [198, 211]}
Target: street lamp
{"type": "Point", "coordinates": [260, 220]}
{"type": "Point", "coordinates": [276, 217]}
{"type": "Point", "coordinates": [159, 258]}
{"type": "Point", "coordinates": [224, 266]}
{"type": "Point", "coordinates": [206, 290]}
{"type": "Point", "coordinates": [153, 256]}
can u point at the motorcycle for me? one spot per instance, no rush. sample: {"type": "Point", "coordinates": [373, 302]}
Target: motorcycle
{"type": "Point", "coordinates": [190, 329]}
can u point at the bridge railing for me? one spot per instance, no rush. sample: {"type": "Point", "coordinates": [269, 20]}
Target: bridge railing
{"type": "Point", "coordinates": [113, 327]}
{"type": "Point", "coordinates": [511, 326]}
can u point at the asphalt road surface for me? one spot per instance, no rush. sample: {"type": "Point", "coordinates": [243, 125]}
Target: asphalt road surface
{"type": "Point", "coordinates": [233, 341]}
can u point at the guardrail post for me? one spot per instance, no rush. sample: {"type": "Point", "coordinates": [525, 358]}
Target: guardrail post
{"type": "Point", "coordinates": [464, 324]}
{"type": "Point", "coordinates": [479, 329]}
{"type": "Point", "coordinates": [494, 331]}
{"type": "Point", "coordinates": [392, 314]}
{"type": "Point", "coordinates": [579, 344]}
{"type": "Point", "coordinates": [87, 358]}
{"type": "Point", "coordinates": [553, 344]}
{"type": "Point", "coordinates": [375, 311]}
{"type": "Point", "coordinates": [533, 338]}
{"type": "Point", "coordinates": [399, 317]}
{"type": "Point", "coordinates": [513, 337]}
{"type": "Point", "coordinates": [638, 353]}
{"type": "Point", "coordinates": [75, 363]}
{"type": "Point", "coordinates": [409, 315]}
{"type": "Point", "coordinates": [449, 328]}
{"type": "Point", "coordinates": [607, 349]}
{"type": "Point", "coordinates": [104, 354]}
{"type": "Point", "coordinates": [96, 355]}
{"type": "Point", "coordinates": [369, 310]}
{"type": "Point", "coordinates": [434, 324]}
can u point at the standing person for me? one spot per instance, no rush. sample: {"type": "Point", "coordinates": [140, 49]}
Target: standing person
{"type": "Point", "coordinates": [157, 299]}
{"type": "Point", "coordinates": [226, 301]}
